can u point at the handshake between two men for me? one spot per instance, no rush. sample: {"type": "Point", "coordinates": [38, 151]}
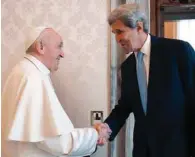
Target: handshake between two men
{"type": "Point", "coordinates": [104, 133]}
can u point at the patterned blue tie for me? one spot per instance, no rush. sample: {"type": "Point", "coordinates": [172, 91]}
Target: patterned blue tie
{"type": "Point", "coordinates": [142, 81]}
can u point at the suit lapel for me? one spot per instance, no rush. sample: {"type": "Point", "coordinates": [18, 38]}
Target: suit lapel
{"type": "Point", "coordinates": [131, 84]}
{"type": "Point", "coordinates": [155, 73]}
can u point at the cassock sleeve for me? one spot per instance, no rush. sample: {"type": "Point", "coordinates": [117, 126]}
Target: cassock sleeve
{"type": "Point", "coordinates": [80, 142]}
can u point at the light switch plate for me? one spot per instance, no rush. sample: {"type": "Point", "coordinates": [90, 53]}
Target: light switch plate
{"type": "Point", "coordinates": [96, 117]}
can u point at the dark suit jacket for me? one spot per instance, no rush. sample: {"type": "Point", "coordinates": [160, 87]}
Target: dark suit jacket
{"type": "Point", "coordinates": [168, 129]}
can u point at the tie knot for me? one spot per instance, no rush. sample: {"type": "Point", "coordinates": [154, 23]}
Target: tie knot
{"type": "Point", "coordinates": [140, 55]}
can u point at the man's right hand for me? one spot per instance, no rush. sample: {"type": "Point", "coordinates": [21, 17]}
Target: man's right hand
{"type": "Point", "coordinates": [104, 132]}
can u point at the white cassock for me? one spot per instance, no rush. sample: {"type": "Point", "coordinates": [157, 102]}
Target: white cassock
{"type": "Point", "coordinates": [34, 123]}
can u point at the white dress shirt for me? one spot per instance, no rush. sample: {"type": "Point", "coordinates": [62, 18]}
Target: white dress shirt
{"type": "Point", "coordinates": [146, 49]}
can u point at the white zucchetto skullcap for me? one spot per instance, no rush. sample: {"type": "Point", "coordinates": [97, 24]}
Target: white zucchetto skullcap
{"type": "Point", "coordinates": [32, 35]}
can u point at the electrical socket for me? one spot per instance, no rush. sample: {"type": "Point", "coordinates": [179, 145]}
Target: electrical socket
{"type": "Point", "coordinates": [96, 117]}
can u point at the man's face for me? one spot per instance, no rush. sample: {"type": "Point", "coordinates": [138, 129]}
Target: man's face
{"type": "Point", "coordinates": [53, 51]}
{"type": "Point", "coordinates": [126, 37]}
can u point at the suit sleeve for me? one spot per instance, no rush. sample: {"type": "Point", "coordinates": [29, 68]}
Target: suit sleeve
{"type": "Point", "coordinates": [80, 142]}
{"type": "Point", "coordinates": [187, 71]}
{"type": "Point", "coordinates": [119, 114]}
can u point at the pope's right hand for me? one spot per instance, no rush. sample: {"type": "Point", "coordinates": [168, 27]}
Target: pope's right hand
{"type": "Point", "coordinates": [104, 132]}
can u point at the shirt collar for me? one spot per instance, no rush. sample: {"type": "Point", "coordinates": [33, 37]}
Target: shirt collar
{"type": "Point", "coordinates": [38, 64]}
{"type": "Point", "coordinates": [146, 47]}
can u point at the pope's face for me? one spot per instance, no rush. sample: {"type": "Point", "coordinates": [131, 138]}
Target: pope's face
{"type": "Point", "coordinates": [53, 51]}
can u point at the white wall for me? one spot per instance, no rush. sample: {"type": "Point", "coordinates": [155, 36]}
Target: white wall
{"type": "Point", "coordinates": [82, 82]}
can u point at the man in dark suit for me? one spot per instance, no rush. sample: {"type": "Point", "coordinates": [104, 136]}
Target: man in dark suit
{"type": "Point", "coordinates": [158, 86]}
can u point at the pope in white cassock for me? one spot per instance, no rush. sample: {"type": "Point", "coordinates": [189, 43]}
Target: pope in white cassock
{"type": "Point", "coordinates": [34, 123]}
